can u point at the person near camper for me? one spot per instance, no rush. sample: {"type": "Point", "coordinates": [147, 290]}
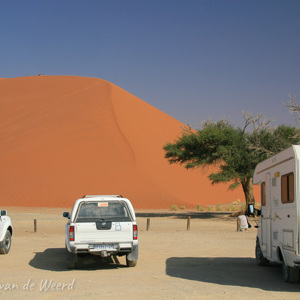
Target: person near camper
{"type": "Point", "coordinates": [242, 223]}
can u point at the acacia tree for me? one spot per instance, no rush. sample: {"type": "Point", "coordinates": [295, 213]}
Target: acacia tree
{"type": "Point", "coordinates": [233, 151]}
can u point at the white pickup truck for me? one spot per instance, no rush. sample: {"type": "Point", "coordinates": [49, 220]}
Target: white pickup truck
{"type": "Point", "coordinates": [6, 231]}
{"type": "Point", "coordinates": [103, 225]}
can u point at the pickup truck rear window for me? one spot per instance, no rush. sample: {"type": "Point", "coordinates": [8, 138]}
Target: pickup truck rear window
{"type": "Point", "coordinates": [115, 211]}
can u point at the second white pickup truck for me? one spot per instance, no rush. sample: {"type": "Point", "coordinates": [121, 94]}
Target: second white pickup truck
{"type": "Point", "coordinates": [103, 225]}
{"type": "Point", "coordinates": [6, 232]}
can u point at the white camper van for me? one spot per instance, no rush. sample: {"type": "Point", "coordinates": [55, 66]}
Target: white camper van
{"type": "Point", "coordinates": [279, 226]}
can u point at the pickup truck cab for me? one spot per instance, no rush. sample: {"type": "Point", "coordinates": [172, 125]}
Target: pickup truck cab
{"type": "Point", "coordinates": [103, 225]}
{"type": "Point", "coordinates": [6, 232]}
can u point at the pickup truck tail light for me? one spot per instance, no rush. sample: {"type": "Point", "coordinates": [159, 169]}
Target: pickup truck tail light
{"type": "Point", "coordinates": [135, 232]}
{"type": "Point", "coordinates": [71, 233]}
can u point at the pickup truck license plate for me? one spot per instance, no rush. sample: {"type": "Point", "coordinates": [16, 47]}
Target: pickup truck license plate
{"type": "Point", "coordinates": [104, 246]}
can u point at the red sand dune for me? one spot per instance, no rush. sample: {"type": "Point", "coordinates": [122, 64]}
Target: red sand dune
{"type": "Point", "coordinates": [63, 137]}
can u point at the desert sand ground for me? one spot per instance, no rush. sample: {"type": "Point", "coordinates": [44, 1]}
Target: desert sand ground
{"type": "Point", "coordinates": [210, 261]}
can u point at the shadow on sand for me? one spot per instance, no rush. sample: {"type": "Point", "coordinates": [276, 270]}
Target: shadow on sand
{"type": "Point", "coordinates": [184, 215]}
{"type": "Point", "coordinates": [230, 271]}
{"type": "Point", "coordinates": [56, 259]}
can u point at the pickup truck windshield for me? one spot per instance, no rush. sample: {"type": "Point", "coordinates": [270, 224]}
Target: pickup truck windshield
{"type": "Point", "coordinates": [115, 211]}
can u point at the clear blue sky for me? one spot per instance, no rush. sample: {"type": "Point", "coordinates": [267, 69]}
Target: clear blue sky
{"type": "Point", "coordinates": [192, 59]}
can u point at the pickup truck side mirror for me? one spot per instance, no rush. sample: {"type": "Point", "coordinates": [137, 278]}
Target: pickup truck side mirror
{"type": "Point", "coordinates": [66, 215]}
{"type": "Point", "coordinates": [3, 213]}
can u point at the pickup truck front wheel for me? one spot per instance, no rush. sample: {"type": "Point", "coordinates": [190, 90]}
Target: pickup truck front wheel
{"type": "Point", "coordinates": [6, 243]}
{"type": "Point", "coordinates": [130, 263]}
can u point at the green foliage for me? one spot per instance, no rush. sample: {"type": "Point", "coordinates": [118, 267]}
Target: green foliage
{"type": "Point", "coordinates": [182, 207]}
{"type": "Point", "coordinates": [234, 152]}
{"type": "Point", "coordinates": [216, 144]}
{"type": "Point", "coordinates": [270, 142]}
{"type": "Point", "coordinates": [200, 208]}
{"type": "Point", "coordinates": [174, 207]}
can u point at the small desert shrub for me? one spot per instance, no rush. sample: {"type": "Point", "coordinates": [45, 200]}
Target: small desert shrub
{"type": "Point", "coordinates": [200, 208]}
{"type": "Point", "coordinates": [237, 202]}
{"type": "Point", "coordinates": [257, 205]}
{"type": "Point", "coordinates": [232, 208]}
{"type": "Point", "coordinates": [174, 207]}
{"type": "Point", "coordinates": [209, 208]}
{"type": "Point", "coordinates": [182, 207]}
{"type": "Point", "coordinates": [218, 207]}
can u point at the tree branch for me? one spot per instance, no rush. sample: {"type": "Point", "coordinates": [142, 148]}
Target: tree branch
{"type": "Point", "coordinates": [293, 106]}
{"type": "Point", "coordinates": [259, 122]}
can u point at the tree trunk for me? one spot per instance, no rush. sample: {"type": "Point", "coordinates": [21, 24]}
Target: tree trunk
{"type": "Point", "coordinates": [247, 185]}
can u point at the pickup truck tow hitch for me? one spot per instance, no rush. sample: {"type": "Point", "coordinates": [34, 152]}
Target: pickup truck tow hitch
{"type": "Point", "coordinates": [104, 253]}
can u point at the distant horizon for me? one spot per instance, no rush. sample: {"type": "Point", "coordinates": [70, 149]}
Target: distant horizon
{"type": "Point", "coordinates": [194, 60]}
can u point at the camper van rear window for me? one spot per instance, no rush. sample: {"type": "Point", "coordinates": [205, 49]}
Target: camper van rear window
{"type": "Point", "coordinates": [287, 188]}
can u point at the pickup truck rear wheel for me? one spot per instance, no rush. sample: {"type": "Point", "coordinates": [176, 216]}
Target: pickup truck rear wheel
{"type": "Point", "coordinates": [6, 243]}
{"type": "Point", "coordinates": [130, 263]}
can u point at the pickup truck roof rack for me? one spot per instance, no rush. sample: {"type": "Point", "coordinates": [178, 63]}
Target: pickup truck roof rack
{"type": "Point", "coordinates": [95, 196]}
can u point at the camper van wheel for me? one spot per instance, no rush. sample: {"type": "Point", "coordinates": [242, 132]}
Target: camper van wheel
{"type": "Point", "coordinates": [260, 259]}
{"type": "Point", "coordinates": [289, 274]}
